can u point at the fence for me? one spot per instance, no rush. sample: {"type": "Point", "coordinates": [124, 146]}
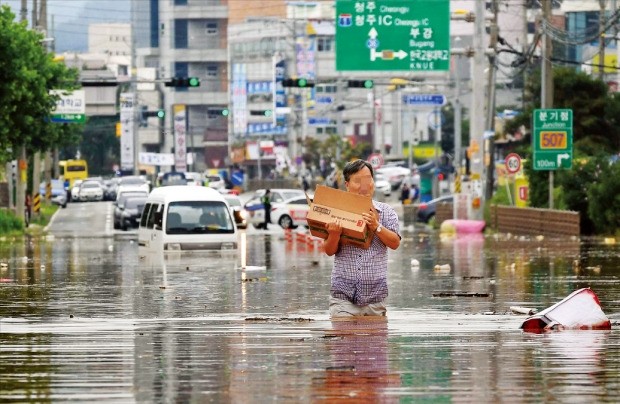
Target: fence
{"type": "Point", "coordinates": [530, 221]}
{"type": "Point", "coordinates": [547, 222]}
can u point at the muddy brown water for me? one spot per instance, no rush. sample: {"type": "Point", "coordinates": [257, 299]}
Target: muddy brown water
{"type": "Point", "coordinates": [89, 319]}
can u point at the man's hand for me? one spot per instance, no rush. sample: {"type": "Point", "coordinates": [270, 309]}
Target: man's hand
{"type": "Point", "coordinates": [330, 244]}
{"type": "Point", "coordinates": [334, 228]}
{"type": "Point", "coordinates": [372, 219]}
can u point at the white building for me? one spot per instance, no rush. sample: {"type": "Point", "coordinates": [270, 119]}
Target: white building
{"type": "Point", "coordinates": [111, 39]}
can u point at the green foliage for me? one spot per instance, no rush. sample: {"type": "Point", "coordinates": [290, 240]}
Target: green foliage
{"type": "Point", "coordinates": [575, 185]}
{"type": "Point", "coordinates": [604, 198]}
{"type": "Point", "coordinates": [9, 222]}
{"type": "Point", "coordinates": [45, 214]}
{"type": "Point", "coordinates": [100, 146]}
{"type": "Point", "coordinates": [27, 73]}
{"type": "Point", "coordinates": [328, 150]}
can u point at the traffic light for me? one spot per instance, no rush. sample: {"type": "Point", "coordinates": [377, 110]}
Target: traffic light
{"type": "Point", "coordinates": [225, 112]}
{"type": "Point", "coordinates": [183, 82]}
{"type": "Point", "coordinates": [145, 114]}
{"type": "Point", "coordinates": [261, 112]}
{"type": "Point", "coordinates": [361, 83]}
{"type": "Point", "coordinates": [301, 83]}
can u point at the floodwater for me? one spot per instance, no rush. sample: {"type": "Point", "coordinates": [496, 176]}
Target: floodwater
{"type": "Point", "coordinates": [88, 319]}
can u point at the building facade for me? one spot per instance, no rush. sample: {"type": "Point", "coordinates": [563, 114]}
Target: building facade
{"type": "Point", "coordinates": [185, 38]}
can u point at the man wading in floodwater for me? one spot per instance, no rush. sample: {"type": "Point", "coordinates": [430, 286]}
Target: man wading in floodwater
{"type": "Point", "coordinates": [359, 277]}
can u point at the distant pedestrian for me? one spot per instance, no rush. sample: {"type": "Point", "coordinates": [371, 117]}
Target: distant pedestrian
{"type": "Point", "coordinates": [305, 184]}
{"type": "Point", "coordinates": [405, 192]}
{"type": "Point", "coordinates": [414, 193]}
{"type": "Point", "coordinates": [266, 200]}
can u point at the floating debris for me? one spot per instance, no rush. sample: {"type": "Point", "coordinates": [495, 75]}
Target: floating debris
{"type": "Point", "coordinates": [581, 310]}
{"type": "Point", "coordinates": [278, 320]}
{"type": "Point", "coordinates": [458, 293]}
{"type": "Point", "coordinates": [523, 310]}
{"type": "Point", "coordinates": [442, 268]}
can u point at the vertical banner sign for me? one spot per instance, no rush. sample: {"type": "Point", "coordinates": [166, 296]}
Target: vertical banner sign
{"type": "Point", "coordinates": [279, 98]}
{"type": "Point", "coordinates": [393, 35]}
{"type": "Point", "coordinates": [180, 131]}
{"type": "Point", "coordinates": [239, 99]}
{"type": "Point", "coordinates": [127, 117]}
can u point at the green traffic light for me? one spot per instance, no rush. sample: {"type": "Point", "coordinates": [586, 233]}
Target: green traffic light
{"type": "Point", "coordinates": [161, 114]}
{"type": "Point", "coordinates": [302, 82]}
{"type": "Point", "coordinates": [368, 83]}
{"type": "Point", "coordinates": [194, 82]}
{"type": "Point", "coordinates": [225, 112]}
{"type": "Point", "coordinates": [268, 113]}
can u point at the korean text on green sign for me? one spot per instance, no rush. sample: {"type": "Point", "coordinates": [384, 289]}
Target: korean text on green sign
{"type": "Point", "coordinates": [393, 35]}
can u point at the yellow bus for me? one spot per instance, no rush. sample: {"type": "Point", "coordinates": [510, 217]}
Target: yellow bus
{"type": "Point", "coordinates": [71, 170]}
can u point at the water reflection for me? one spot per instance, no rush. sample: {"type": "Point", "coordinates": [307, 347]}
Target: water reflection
{"type": "Point", "coordinates": [359, 369]}
{"type": "Point", "coordinates": [88, 319]}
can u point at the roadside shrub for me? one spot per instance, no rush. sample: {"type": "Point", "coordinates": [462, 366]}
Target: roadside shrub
{"type": "Point", "coordinates": [604, 199]}
{"type": "Point", "coordinates": [9, 222]}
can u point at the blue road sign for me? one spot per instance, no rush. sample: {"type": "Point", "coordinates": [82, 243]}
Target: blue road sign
{"type": "Point", "coordinates": [319, 121]}
{"type": "Point", "coordinates": [424, 100]}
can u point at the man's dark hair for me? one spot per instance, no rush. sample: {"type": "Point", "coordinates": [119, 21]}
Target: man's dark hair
{"type": "Point", "coordinates": [355, 166]}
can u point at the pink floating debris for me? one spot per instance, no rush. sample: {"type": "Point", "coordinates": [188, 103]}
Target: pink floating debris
{"type": "Point", "coordinates": [581, 310]}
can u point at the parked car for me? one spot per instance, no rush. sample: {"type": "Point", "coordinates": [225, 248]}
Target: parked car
{"type": "Point", "coordinates": [426, 210]}
{"type": "Point", "coordinates": [394, 174]}
{"type": "Point", "coordinates": [75, 191]}
{"type": "Point", "coordinates": [109, 193]}
{"type": "Point", "coordinates": [134, 182]}
{"type": "Point", "coordinates": [90, 191]}
{"type": "Point", "coordinates": [172, 178]}
{"type": "Point", "coordinates": [215, 181]}
{"type": "Point", "coordinates": [193, 178]}
{"type": "Point", "coordinates": [119, 204]}
{"type": "Point", "coordinates": [291, 213]}
{"type": "Point", "coordinates": [288, 213]}
{"type": "Point", "coordinates": [382, 185]}
{"type": "Point", "coordinates": [131, 211]}
{"type": "Point", "coordinates": [59, 194]}
{"type": "Point", "coordinates": [236, 209]}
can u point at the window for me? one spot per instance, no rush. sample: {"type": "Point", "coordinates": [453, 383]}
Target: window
{"type": "Point", "coordinates": [180, 34]}
{"type": "Point", "coordinates": [145, 214]}
{"type": "Point", "coordinates": [212, 71]}
{"type": "Point", "coordinates": [198, 217]}
{"type": "Point", "coordinates": [180, 2]}
{"type": "Point", "coordinates": [324, 44]}
{"type": "Point", "coordinates": [211, 28]}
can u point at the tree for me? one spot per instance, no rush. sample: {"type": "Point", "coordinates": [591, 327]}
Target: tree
{"type": "Point", "coordinates": [27, 73]}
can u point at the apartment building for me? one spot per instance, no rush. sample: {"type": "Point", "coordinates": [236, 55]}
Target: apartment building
{"type": "Point", "coordinates": [185, 38]}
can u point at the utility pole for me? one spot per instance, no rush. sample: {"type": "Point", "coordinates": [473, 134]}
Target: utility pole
{"type": "Point", "coordinates": [490, 142]}
{"type": "Point", "coordinates": [601, 40]}
{"type": "Point", "coordinates": [21, 177]}
{"type": "Point", "coordinates": [546, 82]}
{"type": "Point", "coordinates": [477, 107]}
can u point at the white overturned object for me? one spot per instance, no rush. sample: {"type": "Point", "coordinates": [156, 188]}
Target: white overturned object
{"type": "Point", "coordinates": [581, 310]}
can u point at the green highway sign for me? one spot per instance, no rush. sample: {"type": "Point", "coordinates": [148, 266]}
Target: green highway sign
{"type": "Point", "coordinates": [393, 35]}
{"type": "Point", "coordinates": [68, 118]}
{"type": "Point", "coordinates": [553, 139]}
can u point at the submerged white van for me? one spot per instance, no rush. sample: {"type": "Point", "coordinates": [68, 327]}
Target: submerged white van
{"type": "Point", "coordinates": [182, 218]}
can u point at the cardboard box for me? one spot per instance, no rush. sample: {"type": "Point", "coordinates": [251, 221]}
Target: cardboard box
{"type": "Point", "coordinates": [330, 204]}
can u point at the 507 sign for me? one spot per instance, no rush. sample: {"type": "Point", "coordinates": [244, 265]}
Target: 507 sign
{"type": "Point", "coordinates": [553, 139]}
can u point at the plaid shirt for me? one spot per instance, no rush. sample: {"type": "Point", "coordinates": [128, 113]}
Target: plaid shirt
{"type": "Point", "coordinates": [360, 276]}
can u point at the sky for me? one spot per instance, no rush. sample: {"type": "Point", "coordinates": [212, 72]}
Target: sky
{"type": "Point", "coordinates": [72, 17]}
